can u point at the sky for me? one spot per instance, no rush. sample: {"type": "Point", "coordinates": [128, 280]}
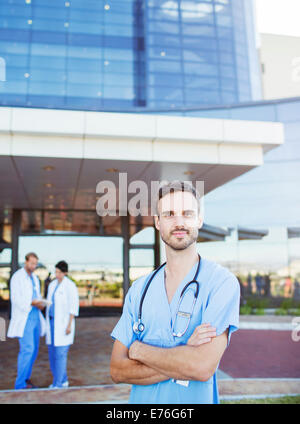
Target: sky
{"type": "Point", "coordinates": [278, 17]}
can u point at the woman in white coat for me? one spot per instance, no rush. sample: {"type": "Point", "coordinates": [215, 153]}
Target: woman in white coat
{"type": "Point", "coordinates": [60, 323]}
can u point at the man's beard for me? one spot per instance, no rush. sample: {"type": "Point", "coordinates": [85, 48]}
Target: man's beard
{"type": "Point", "coordinates": [181, 244]}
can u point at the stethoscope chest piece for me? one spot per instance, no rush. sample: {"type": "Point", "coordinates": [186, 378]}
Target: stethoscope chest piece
{"type": "Point", "coordinates": [138, 327]}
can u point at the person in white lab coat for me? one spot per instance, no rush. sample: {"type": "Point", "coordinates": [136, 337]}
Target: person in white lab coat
{"type": "Point", "coordinates": [27, 322]}
{"type": "Point", "coordinates": [60, 323]}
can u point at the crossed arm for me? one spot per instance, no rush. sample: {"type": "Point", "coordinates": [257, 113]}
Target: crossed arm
{"type": "Point", "coordinates": [145, 364]}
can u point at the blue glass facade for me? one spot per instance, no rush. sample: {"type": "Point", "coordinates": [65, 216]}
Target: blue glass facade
{"type": "Point", "coordinates": [109, 54]}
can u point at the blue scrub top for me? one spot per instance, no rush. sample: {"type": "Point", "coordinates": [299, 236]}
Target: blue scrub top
{"type": "Point", "coordinates": [217, 304]}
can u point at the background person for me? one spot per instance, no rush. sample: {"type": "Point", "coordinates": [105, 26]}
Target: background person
{"type": "Point", "coordinates": [27, 322]}
{"type": "Point", "coordinates": [60, 319]}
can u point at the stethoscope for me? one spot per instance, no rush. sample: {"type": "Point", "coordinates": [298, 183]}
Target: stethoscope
{"type": "Point", "coordinates": [139, 327]}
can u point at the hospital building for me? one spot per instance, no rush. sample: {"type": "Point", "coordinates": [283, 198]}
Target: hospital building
{"type": "Point", "coordinates": [160, 90]}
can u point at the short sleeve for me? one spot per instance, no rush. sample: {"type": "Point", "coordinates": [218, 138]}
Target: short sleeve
{"type": "Point", "coordinates": [222, 310]}
{"type": "Point", "coordinates": [123, 331]}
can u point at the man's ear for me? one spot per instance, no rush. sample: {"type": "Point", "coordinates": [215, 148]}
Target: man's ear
{"type": "Point", "coordinates": [156, 222]}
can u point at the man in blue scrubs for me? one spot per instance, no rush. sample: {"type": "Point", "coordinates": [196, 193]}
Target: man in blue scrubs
{"type": "Point", "coordinates": [181, 368]}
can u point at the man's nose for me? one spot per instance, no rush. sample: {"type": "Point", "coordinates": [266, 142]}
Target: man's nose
{"type": "Point", "coordinates": [179, 220]}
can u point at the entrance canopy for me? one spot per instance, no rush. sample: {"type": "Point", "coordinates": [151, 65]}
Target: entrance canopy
{"type": "Point", "coordinates": [53, 159]}
{"type": "Point", "coordinates": [51, 162]}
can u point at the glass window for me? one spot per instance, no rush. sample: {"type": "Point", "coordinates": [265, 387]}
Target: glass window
{"type": "Point", "coordinates": [18, 87]}
{"type": "Point", "coordinates": [229, 97]}
{"type": "Point", "coordinates": [84, 52]}
{"type": "Point", "coordinates": [46, 88]}
{"type": "Point", "coordinates": [163, 40]}
{"type": "Point", "coordinates": [224, 20]}
{"type": "Point", "coordinates": [118, 92]}
{"type": "Point", "coordinates": [165, 79]}
{"type": "Point", "coordinates": [200, 69]}
{"type": "Point", "coordinates": [119, 30]}
{"type": "Point", "coordinates": [47, 75]}
{"type": "Point", "coordinates": [82, 27]}
{"type": "Point", "coordinates": [84, 77]}
{"type": "Point", "coordinates": [48, 37]}
{"type": "Point", "coordinates": [14, 48]}
{"type": "Point", "coordinates": [48, 49]}
{"type": "Point", "coordinates": [165, 66]}
{"type": "Point", "coordinates": [113, 66]}
{"type": "Point", "coordinates": [44, 62]}
{"type": "Point", "coordinates": [204, 82]}
{"type": "Point", "coordinates": [195, 42]}
{"type": "Point", "coordinates": [226, 45]}
{"type": "Point", "coordinates": [88, 65]}
{"type": "Point", "coordinates": [198, 16]}
{"type": "Point", "coordinates": [22, 11]}
{"type": "Point", "coordinates": [202, 96]}
{"type": "Point", "coordinates": [16, 60]}
{"type": "Point", "coordinates": [118, 54]}
{"type": "Point", "coordinates": [86, 16]}
{"type": "Point", "coordinates": [163, 27]}
{"type": "Point", "coordinates": [171, 5]}
{"type": "Point", "coordinates": [119, 79]}
{"type": "Point", "coordinates": [169, 53]}
{"type": "Point", "coordinates": [83, 90]}
{"type": "Point", "coordinates": [50, 12]}
{"type": "Point", "coordinates": [226, 58]}
{"type": "Point", "coordinates": [200, 56]}
{"type": "Point", "coordinates": [166, 93]}
{"type": "Point", "coordinates": [9, 22]}
{"type": "Point", "coordinates": [162, 14]}
{"type": "Point", "coordinates": [227, 71]}
{"type": "Point", "coordinates": [228, 84]}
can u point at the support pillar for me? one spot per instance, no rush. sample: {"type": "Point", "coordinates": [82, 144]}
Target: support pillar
{"type": "Point", "coordinates": [126, 265]}
{"type": "Point", "coordinates": [16, 229]}
{"type": "Point", "coordinates": [14, 266]}
{"type": "Point", "coordinates": [156, 249]}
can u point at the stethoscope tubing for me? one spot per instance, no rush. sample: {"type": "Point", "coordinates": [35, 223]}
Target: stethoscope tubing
{"type": "Point", "coordinates": [194, 280]}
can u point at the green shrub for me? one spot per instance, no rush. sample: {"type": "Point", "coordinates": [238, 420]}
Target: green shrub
{"type": "Point", "coordinates": [286, 304]}
{"type": "Point", "coordinates": [258, 302]}
{"type": "Point", "coordinates": [245, 310]}
{"type": "Point", "coordinates": [259, 311]}
{"type": "Point", "coordinates": [281, 311]}
{"type": "Point", "coordinates": [295, 312]}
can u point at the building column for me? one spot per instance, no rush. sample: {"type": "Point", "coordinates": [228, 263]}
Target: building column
{"type": "Point", "coordinates": [16, 229]}
{"type": "Point", "coordinates": [156, 248]}
{"type": "Point", "coordinates": [126, 265]}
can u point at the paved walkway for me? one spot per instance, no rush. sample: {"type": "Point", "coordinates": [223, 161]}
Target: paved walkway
{"type": "Point", "coordinates": [228, 389]}
{"type": "Point", "coordinates": [254, 354]}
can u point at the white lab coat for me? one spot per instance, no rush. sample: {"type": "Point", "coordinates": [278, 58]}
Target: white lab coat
{"type": "Point", "coordinates": [21, 297]}
{"type": "Point", "coordinates": [66, 301]}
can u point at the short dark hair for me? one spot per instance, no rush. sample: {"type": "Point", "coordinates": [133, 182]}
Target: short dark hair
{"type": "Point", "coordinates": [62, 266]}
{"type": "Point", "coordinates": [174, 186]}
{"type": "Point", "coordinates": [31, 255]}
